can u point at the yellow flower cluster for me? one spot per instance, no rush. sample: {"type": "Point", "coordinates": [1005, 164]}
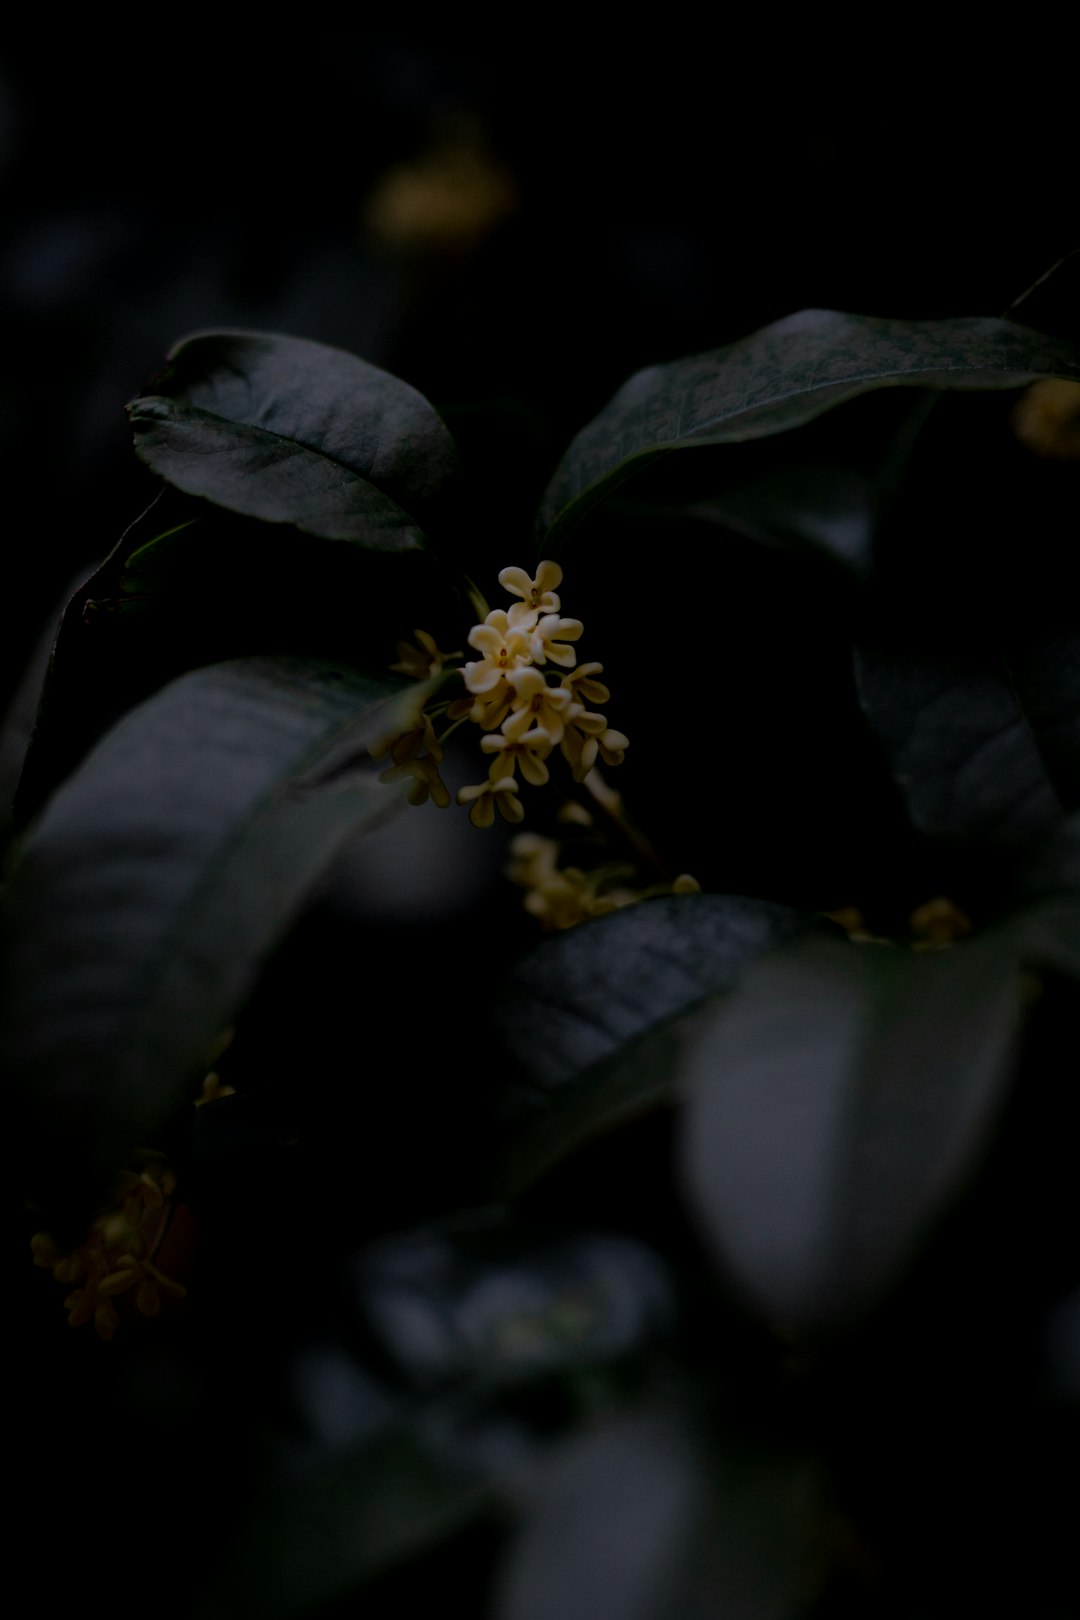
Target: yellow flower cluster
{"type": "Point", "coordinates": [524, 715]}
{"type": "Point", "coordinates": [119, 1251]}
{"type": "Point", "coordinates": [561, 897]}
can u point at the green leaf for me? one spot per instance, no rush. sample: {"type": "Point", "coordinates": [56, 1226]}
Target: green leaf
{"type": "Point", "coordinates": [188, 585]}
{"type": "Point", "coordinates": [780, 378]}
{"type": "Point", "coordinates": [837, 1104]}
{"type": "Point", "coordinates": [596, 1019]}
{"type": "Point", "coordinates": [154, 885]}
{"type": "Point", "coordinates": [986, 750]}
{"type": "Point", "coordinates": [291, 431]}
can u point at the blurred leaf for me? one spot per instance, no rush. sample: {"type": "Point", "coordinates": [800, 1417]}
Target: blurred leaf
{"type": "Point", "coordinates": [986, 750]}
{"type": "Point", "coordinates": [336, 1526]}
{"type": "Point", "coordinates": [837, 1103]}
{"type": "Point", "coordinates": [779, 378]}
{"type": "Point", "coordinates": [490, 1301]}
{"type": "Point", "coordinates": [291, 431]}
{"type": "Point", "coordinates": [636, 1520]}
{"type": "Point", "coordinates": [596, 1018]}
{"type": "Point", "coordinates": [1052, 866]}
{"type": "Point", "coordinates": [156, 882]}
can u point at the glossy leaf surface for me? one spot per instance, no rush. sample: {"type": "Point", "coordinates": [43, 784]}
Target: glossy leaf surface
{"type": "Point", "coordinates": [779, 378]}
{"type": "Point", "coordinates": [597, 1018]}
{"type": "Point", "coordinates": [986, 750]}
{"type": "Point", "coordinates": [291, 431]}
{"type": "Point", "coordinates": [155, 883]}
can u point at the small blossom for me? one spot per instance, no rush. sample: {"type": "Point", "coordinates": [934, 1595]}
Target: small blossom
{"type": "Point", "coordinates": [528, 751]}
{"type": "Point", "coordinates": [536, 704]}
{"type": "Point", "coordinates": [580, 744]}
{"type": "Point", "coordinates": [533, 859]}
{"type": "Point", "coordinates": [483, 799]}
{"type": "Point", "coordinates": [420, 662]}
{"type": "Point", "coordinates": [584, 688]}
{"type": "Point", "coordinates": [213, 1090]}
{"type": "Point", "coordinates": [503, 639]}
{"type": "Point", "coordinates": [544, 642]}
{"type": "Point", "coordinates": [538, 593]}
{"type": "Point", "coordinates": [418, 755]}
{"type": "Point", "coordinates": [490, 709]}
{"type": "Point", "coordinates": [686, 884]}
{"type": "Point", "coordinates": [613, 746]}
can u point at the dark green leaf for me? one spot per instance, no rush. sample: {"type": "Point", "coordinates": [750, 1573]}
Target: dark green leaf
{"type": "Point", "coordinates": [597, 1018]}
{"type": "Point", "coordinates": [291, 431]}
{"type": "Point", "coordinates": [779, 378]}
{"type": "Point", "coordinates": [188, 585]}
{"type": "Point", "coordinates": [637, 1521]}
{"type": "Point", "coordinates": [986, 750]}
{"type": "Point", "coordinates": [584, 994]}
{"type": "Point", "coordinates": [837, 1103]}
{"type": "Point", "coordinates": [154, 885]}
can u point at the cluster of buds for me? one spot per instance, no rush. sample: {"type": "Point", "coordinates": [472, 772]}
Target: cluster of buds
{"type": "Point", "coordinates": [118, 1253]}
{"type": "Point", "coordinates": [524, 709]}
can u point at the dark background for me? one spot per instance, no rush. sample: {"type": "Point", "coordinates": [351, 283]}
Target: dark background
{"type": "Point", "coordinates": [637, 200]}
{"type": "Point", "coordinates": [514, 225]}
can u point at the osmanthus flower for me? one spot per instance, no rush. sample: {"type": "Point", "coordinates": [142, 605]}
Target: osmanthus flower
{"type": "Point", "coordinates": [490, 709]}
{"type": "Point", "coordinates": [528, 751]}
{"type": "Point", "coordinates": [549, 638]}
{"type": "Point", "coordinates": [423, 661]}
{"type": "Point", "coordinates": [135, 1272]}
{"type": "Point", "coordinates": [584, 688]}
{"type": "Point", "coordinates": [580, 743]}
{"type": "Point", "coordinates": [525, 711]}
{"type": "Point", "coordinates": [538, 705]}
{"type": "Point", "coordinates": [613, 745]}
{"type": "Point", "coordinates": [482, 799]}
{"type": "Point", "coordinates": [503, 639]}
{"type": "Point", "coordinates": [118, 1251]}
{"type": "Point", "coordinates": [538, 593]}
{"type": "Point", "coordinates": [418, 755]}
{"type": "Point", "coordinates": [533, 859]}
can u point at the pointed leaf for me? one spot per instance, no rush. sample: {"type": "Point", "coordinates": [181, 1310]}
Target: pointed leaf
{"type": "Point", "coordinates": [291, 431]}
{"type": "Point", "coordinates": [153, 887]}
{"type": "Point", "coordinates": [584, 994]}
{"type": "Point", "coordinates": [779, 378]}
{"type": "Point", "coordinates": [837, 1103]}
